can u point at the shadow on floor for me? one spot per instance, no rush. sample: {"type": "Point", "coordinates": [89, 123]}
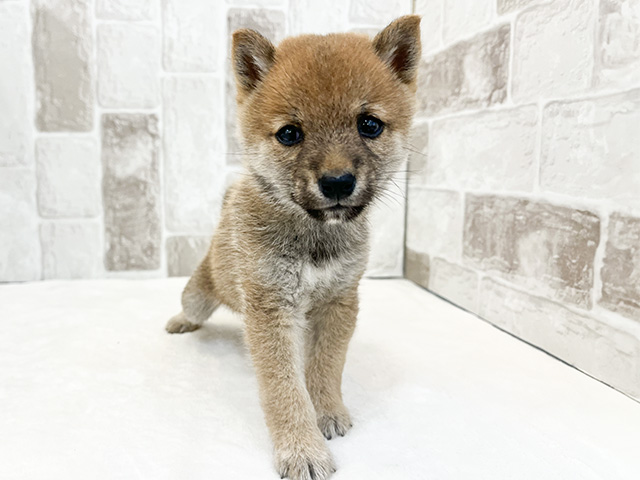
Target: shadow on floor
{"type": "Point", "coordinates": [221, 338]}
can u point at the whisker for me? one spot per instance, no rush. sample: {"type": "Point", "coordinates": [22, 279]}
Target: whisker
{"type": "Point", "coordinates": [417, 152]}
{"type": "Point", "coordinates": [395, 198]}
{"type": "Point", "coordinates": [391, 199]}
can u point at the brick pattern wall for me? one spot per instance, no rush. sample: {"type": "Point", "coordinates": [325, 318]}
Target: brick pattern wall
{"type": "Point", "coordinates": [117, 140]}
{"type": "Point", "coordinates": [524, 187]}
{"type": "Point", "coordinates": [117, 133]}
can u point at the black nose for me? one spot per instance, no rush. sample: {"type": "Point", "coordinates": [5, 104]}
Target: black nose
{"type": "Point", "coordinates": [337, 188]}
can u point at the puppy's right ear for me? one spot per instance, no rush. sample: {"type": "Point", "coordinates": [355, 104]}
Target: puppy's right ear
{"type": "Point", "coordinates": [398, 46]}
{"type": "Point", "coordinates": [253, 55]}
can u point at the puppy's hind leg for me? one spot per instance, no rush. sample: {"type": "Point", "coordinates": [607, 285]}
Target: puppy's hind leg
{"type": "Point", "coordinates": [198, 301]}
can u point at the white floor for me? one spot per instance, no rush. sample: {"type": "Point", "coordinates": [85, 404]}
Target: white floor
{"type": "Point", "coordinates": [91, 387]}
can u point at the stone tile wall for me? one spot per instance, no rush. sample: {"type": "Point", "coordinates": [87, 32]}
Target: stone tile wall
{"type": "Point", "coordinates": [523, 200]}
{"type": "Point", "coordinates": [117, 134]}
{"type": "Point", "coordinates": [117, 142]}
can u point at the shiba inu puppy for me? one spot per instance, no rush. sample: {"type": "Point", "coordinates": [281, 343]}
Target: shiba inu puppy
{"type": "Point", "coordinates": [324, 120]}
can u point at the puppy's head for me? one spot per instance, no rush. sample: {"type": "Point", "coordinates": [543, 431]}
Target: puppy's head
{"type": "Point", "coordinates": [324, 118]}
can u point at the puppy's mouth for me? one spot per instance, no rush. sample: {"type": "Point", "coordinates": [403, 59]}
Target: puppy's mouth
{"type": "Point", "coordinates": [336, 212]}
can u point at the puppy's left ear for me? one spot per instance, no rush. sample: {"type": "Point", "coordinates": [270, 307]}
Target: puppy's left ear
{"type": "Point", "coordinates": [398, 45]}
{"type": "Point", "coordinates": [253, 56]}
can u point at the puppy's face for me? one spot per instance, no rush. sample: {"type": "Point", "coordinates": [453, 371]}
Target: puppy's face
{"type": "Point", "coordinates": [324, 118]}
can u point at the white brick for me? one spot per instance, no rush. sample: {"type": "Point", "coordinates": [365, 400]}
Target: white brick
{"type": "Point", "coordinates": [506, 6]}
{"type": "Point", "coordinates": [387, 232]}
{"type": "Point", "coordinates": [311, 16]}
{"type": "Point", "coordinates": [128, 66]}
{"type": "Point", "coordinates": [553, 50]}
{"type": "Point", "coordinates": [19, 246]}
{"type": "Point", "coordinates": [618, 45]}
{"type": "Point", "coordinates": [590, 148]}
{"type": "Point", "coordinates": [193, 145]}
{"type": "Point", "coordinates": [490, 150]}
{"type": "Point", "coordinates": [462, 18]}
{"type": "Point", "coordinates": [257, 3]}
{"type": "Point", "coordinates": [606, 352]}
{"type": "Point", "coordinates": [127, 9]}
{"type": "Point", "coordinates": [70, 250]}
{"type": "Point", "coordinates": [431, 23]}
{"type": "Point", "coordinates": [68, 177]}
{"type": "Point", "coordinates": [418, 153]}
{"type": "Point", "coordinates": [192, 35]}
{"type": "Point", "coordinates": [434, 222]}
{"type": "Point", "coordinates": [378, 12]}
{"type": "Point", "coordinates": [16, 88]}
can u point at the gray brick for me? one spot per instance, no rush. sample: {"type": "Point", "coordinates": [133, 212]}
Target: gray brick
{"type": "Point", "coordinates": [19, 246]}
{"type": "Point", "coordinates": [16, 88]}
{"type": "Point", "coordinates": [184, 254]}
{"type": "Point", "coordinates": [62, 51]}
{"type": "Point", "coordinates": [618, 43]}
{"type": "Point", "coordinates": [416, 267]}
{"type": "Point", "coordinates": [470, 74]}
{"type": "Point", "coordinates": [621, 270]}
{"type": "Point", "coordinates": [544, 247]}
{"type": "Point", "coordinates": [131, 191]}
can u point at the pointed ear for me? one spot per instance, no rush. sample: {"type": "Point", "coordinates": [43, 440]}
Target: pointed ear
{"type": "Point", "coordinates": [253, 56]}
{"type": "Point", "coordinates": [398, 45]}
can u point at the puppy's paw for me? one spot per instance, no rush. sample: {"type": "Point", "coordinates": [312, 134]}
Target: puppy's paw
{"type": "Point", "coordinates": [180, 324]}
{"type": "Point", "coordinates": [334, 423]}
{"type": "Point", "coordinates": [305, 463]}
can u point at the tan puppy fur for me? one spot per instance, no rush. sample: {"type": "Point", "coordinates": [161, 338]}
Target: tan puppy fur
{"type": "Point", "coordinates": [287, 256]}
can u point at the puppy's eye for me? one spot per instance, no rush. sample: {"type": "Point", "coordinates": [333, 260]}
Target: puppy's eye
{"type": "Point", "coordinates": [289, 135]}
{"type": "Point", "coordinates": [369, 126]}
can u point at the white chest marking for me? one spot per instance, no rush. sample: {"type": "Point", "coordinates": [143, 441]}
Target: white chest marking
{"type": "Point", "coordinates": [314, 278]}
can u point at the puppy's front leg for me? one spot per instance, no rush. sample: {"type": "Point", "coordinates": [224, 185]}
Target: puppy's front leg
{"type": "Point", "coordinates": [276, 341]}
{"type": "Point", "coordinates": [332, 327]}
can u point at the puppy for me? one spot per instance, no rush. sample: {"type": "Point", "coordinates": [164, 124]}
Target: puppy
{"type": "Point", "coordinates": [324, 120]}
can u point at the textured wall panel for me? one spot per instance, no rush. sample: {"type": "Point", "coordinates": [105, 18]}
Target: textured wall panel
{"type": "Point", "coordinates": [131, 191]}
